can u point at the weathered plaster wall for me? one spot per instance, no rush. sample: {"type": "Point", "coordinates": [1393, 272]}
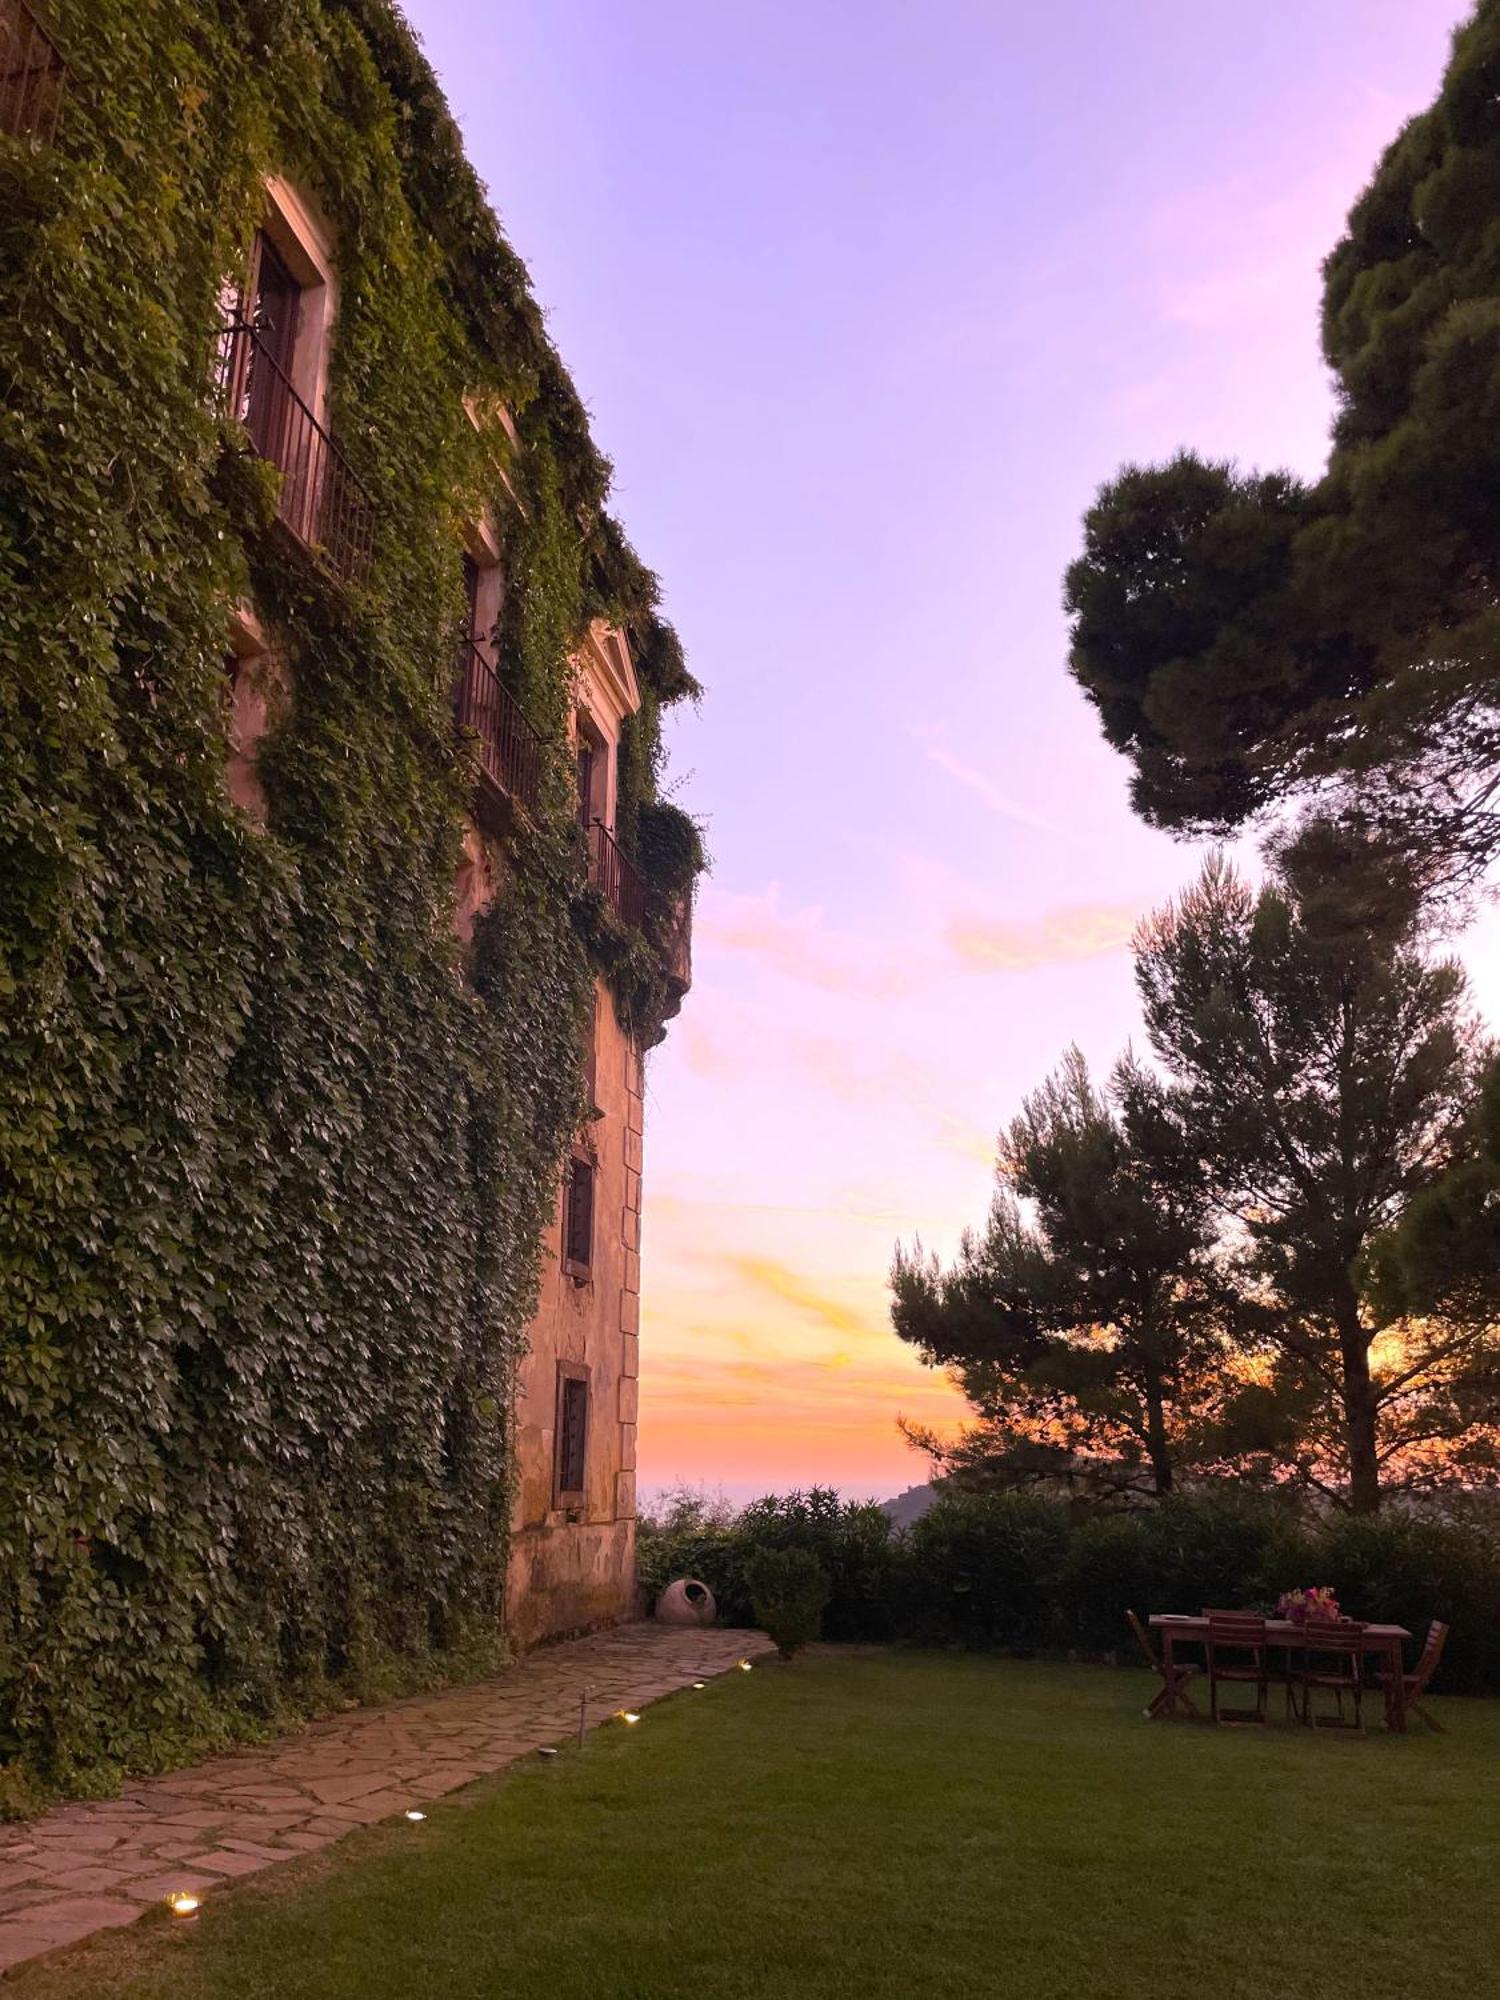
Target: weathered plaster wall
{"type": "Point", "coordinates": [573, 1567]}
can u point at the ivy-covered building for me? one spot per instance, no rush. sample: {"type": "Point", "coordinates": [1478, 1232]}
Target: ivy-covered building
{"type": "Point", "coordinates": [338, 904]}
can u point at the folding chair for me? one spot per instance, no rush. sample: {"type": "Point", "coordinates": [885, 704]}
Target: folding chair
{"type": "Point", "coordinates": [1331, 1657]}
{"type": "Point", "coordinates": [1414, 1685]}
{"type": "Point", "coordinates": [1236, 1656]}
{"type": "Point", "coordinates": [1173, 1689]}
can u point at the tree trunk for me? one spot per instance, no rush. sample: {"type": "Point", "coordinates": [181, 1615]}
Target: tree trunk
{"type": "Point", "coordinates": [1360, 1408]}
{"type": "Point", "coordinates": [1156, 1436]}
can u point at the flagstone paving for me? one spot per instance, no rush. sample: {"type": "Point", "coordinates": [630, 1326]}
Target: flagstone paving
{"type": "Point", "coordinates": [87, 1866]}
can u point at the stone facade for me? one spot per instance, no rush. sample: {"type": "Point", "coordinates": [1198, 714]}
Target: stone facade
{"type": "Point", "coordinates": [573, 1553]}
{"type": "Point", "coordinates": [573, 1556]}
{"type": "Point", "coordinates": [572, 1562]}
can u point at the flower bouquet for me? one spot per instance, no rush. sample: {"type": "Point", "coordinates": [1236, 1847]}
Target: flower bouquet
{"type": "Point", "coordinates": [1315, 1606]}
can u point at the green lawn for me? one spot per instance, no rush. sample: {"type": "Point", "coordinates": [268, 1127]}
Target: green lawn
{"type": "Point", "coordinates": [874, 1824]}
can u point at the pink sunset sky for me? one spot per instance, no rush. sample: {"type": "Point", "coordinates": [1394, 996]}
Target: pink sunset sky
{"type": "Point", "coordinates": [866, 301]}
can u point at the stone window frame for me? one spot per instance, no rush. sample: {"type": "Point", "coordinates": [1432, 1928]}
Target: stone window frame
{"type": "Point", "coordinates": [571, 1374]}
{"type": "Point", "coordinates": [580, 1270]}
{"type": "Point", "coordinates": [481, 544]}
{"type": "Point", "coordinates": [303, 239]}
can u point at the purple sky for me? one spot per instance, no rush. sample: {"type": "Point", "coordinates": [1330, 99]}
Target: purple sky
{"type": "Point", "coordinates": [866, 301]}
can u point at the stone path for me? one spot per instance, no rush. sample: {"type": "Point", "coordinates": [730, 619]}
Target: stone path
{"type": "Point", "coordinates": [85, 1867]}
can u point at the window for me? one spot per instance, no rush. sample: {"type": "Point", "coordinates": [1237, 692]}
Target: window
{"type": "Point", "coordinates": [593, 771]}
{"type": "Point", "coordinates": [275, 314]}
{"type": "Point", "coordinates": [571, 1458]}
{"type": "Point", "coordinates": [273, 375]}
{"type": "Point", "coordinates": [578, 1218]}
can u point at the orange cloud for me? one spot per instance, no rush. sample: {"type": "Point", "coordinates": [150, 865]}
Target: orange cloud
{"type": "Point", "coordinates": [956, 1136]}
{"type": "Point", "coordinates": [1082, 930]}
{"type": "Point", "coordinates": [781, 1282]}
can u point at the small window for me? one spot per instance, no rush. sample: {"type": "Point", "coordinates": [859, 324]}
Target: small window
{"type": "Point", "coordinates": [585, 783]}
{"type": "Point", "coordinates": [578, 1218]}
{"type": "Point", "coordinates": [572, 1431]}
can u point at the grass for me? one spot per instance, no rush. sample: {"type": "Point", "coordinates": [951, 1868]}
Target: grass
{"type": "Point", "coordinates": [887, 1826]}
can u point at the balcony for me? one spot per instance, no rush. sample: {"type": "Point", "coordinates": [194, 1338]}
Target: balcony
{"type": "Point", "coordinates": [32, 76]}
{"type": "Point", "coordinates": [510, 750]}
{"type": "Point", "coordinates": [321, 500]}
{"type": "Point", "coordinates": [612, 872]}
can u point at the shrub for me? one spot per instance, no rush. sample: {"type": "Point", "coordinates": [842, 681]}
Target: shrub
{"type": "Point", "coordinates": [1407, 1568]}
{"type": "Point", "coordinates": [984, 1570]}
{"type": "Point", "coordinates": [1109, 1569]}
{"type": "Point", "coordinates": [789, 1589]}
{"type": "Point", "coordinates": [851, 1539]}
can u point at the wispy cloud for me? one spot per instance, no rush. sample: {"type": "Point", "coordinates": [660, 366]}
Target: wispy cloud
{"type": "Point", "coordinates": [799, 945]}
{"type": "Point", "coordinates": [994, 797]}
{"type": "Point", "coordinates": [780, 1281]}
{"type": "Point", "coordinates": [1063, 936]}
{"type": "Point", "coordinates": [956, 1135]}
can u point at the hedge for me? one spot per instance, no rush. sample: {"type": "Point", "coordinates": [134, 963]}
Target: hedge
{"type": "Point", "coordinates": [1019, 1573]}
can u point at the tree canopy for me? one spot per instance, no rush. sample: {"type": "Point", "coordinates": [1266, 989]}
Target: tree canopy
{"type": "Point", "coordinates": [1324, 1070]}
{"type": "Point", "coordinates": [1271, 1252]}
{"type": "Point", "coordinates": [1249, 637]}
{"type": "Point", "coordinates": [1081, 1323]}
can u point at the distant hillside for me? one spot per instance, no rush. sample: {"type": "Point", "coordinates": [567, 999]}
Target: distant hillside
{"type": "Point", "coordinates": [909, 1506]}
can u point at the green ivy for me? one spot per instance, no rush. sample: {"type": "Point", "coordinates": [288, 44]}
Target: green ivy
{"type": "Point", "coordinates": [274, 1163]}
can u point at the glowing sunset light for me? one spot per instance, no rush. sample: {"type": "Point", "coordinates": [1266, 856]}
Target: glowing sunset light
{"type": "Point", "coordinates": [898, 302]}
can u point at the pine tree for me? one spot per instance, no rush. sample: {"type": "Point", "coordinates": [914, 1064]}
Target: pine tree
{"type": "Point", "coordinates": [1249, 637]}
{"type": "Point", "coordinates": [1323, 1068]}
{"type": "Point", "coordinates": [1081, 1322]}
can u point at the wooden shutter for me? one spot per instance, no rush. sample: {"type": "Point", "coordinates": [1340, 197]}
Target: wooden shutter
{"type": "Point", "coordinates": [572, 1434]}
{"type": "Point", "coordinates": [578, 1217]}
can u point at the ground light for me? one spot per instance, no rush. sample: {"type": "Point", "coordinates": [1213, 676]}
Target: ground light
{"type": "Point", "coordinates": [744, 1666]}
{"type": "Point", "coordinates": [699, 1684]}
{"type": "Point", "coordinates": [184, 1904]}
{"type": "Point", "coordinates": [413, 1815]}
{"type": "Point", "coordinates": [629, 1715]}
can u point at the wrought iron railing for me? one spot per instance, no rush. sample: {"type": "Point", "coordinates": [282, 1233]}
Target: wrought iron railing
{"type": "Point", "coordinates": [510, 749]}
{"type": "Point", "coordinates": [612, 871]}
{"type": "Point", "coordinates": [321, 499]}
{"type": "Point", "coordinates": [32, 75]}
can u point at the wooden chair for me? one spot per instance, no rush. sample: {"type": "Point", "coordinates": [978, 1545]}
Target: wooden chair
{"type": "Point", "coordinates": [1414, 1685]}
{"type": "Point", "coordinates": [1171, 1690]}
{"type": "Point", "coordinates": [1237, 1656]}
{"type": "Point", "coordinates": [1331, 1657]}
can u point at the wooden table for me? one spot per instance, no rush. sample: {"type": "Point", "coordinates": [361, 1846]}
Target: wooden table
{"type": "Point", "coordinates": [1384, 1640]}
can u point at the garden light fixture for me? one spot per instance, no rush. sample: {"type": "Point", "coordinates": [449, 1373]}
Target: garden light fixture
{"type": "Point", "coordinates": [183, 1903]}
